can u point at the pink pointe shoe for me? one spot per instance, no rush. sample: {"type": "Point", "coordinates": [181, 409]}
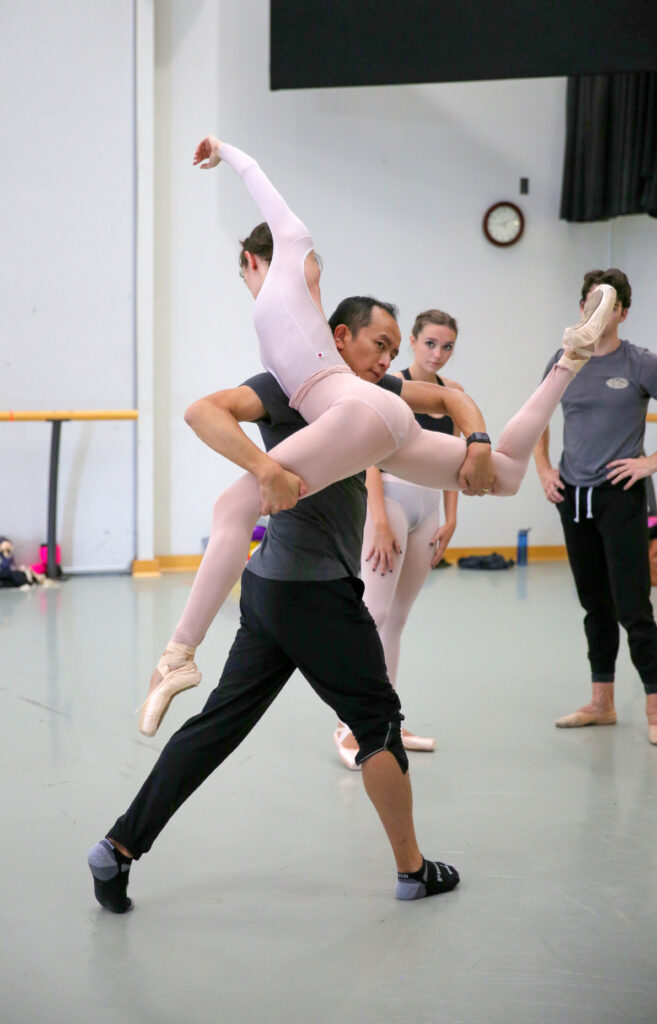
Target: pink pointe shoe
{"type": "Point", "coordinates": [346, 754]}
{"type": "Point", "coordinates": [175, 672]}
{"type": "Point", "coordinates": [412, 742]}
{"type": "Point", "coordinates": [580, 341]}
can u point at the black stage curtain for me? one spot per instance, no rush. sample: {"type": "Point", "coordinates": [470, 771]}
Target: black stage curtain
{"type": "Point", "coordinates": [610, 160]}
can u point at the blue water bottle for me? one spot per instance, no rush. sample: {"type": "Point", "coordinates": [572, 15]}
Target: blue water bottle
{"type": "Point", "coordinates": [521, 554]}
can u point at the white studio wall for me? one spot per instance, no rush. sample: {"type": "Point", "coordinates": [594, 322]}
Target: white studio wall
{"type": "Point", "coordinates": [393, 182]}
{"type": "Point", "coordinates": [67, 284]}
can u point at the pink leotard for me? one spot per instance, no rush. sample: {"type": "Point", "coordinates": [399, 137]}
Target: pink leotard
{"type": "Point", "coordinates": [295, 340]}
{"type": "Point", "coordinates": [352, 423]}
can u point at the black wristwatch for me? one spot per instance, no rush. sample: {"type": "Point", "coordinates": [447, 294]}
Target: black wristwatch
{"type": "Point", "coordinates": [477, 436]}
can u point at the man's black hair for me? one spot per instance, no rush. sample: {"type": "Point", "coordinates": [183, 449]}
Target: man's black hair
{"type": "Point", "coordinates": [355, 312]}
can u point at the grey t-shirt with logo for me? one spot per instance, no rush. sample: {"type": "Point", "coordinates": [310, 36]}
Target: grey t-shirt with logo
{"type": "Point", "coordinates": [322, 536]}
{"type": "Point", "coordinates": [604, 411]}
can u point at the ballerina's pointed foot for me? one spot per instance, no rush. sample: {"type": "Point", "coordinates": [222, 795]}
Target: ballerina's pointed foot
{"type": "Point", "coordinates": [580, 341]}
{"type": "Point", "coordinates": [175, 672]}
{"type": "Point", "coordinates": [347, 747]}
{"type": "Point", "coordinates": [412, 742]}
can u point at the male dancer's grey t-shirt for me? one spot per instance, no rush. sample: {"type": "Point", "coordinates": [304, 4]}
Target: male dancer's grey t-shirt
{"type": "Point", "coordinates": [322, 536]}
{"type": "Point", "coordinates": [604, 412]}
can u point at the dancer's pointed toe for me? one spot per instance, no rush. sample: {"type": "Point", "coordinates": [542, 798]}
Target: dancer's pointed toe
{"type": "Point", "coordinates": [346, 754]}
{"type": "Point", "coordinates": [581, 340]}
{"type": "Point", "coordinates": [412, 742]}
{"type": "Point", "coordinates": [174, 672]}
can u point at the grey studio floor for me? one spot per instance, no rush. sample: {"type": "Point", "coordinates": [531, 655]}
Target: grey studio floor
{"type": "Point", "coordinates": [269, 897]}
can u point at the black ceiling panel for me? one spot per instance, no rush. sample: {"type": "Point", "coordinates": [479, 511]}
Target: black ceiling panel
{"type": "Point", "coordinates": [328, 43]}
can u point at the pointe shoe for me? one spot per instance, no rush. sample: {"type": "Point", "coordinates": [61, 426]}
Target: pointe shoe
{"type": "Point", "coordinates": [582, 339]}
{"type": "Point", "coordinates": [585, 717]}
{"type": "Point", "coordinates": [175, 672]}
{"type": "Point", "coordinates": [346, 754]}
{"type": "Point", "coordinates": [411, 742]}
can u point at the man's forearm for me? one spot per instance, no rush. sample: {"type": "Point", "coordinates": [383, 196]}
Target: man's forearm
{"type": "Point", "coordinates": [219, 429]}
{"type": "Point", "coordinates": [433, 399]}
{"type": "Point", "coordinates": [465, 412]}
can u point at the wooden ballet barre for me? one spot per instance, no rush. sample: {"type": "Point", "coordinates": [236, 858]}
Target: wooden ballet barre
{"type": "Point", "coordinates": [62, 415]}
{"type": "Point", "coordinates": [651, 417]}
{"type": "Point", "coordinates": [57, 417]}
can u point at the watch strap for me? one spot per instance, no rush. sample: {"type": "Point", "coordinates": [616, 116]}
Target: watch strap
{"type": "Point", "coordinates": [477, 436]}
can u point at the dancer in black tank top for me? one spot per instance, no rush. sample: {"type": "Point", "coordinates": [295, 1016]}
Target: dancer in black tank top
{"type": "Point", "coordinates": [404, 537]}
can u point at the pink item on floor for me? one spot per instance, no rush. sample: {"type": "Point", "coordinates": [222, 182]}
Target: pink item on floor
{"type": "Point", "coordinates": [42, 566]}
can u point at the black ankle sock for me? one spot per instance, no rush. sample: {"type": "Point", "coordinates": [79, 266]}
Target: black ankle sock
{"type": "Point", "coordinates": [110, 869]}
{"type": "Point", "coordinates": [431, 879]}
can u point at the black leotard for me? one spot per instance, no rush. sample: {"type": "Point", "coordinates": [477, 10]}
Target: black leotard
{"type": "Point", "coordinates": [443, 424]}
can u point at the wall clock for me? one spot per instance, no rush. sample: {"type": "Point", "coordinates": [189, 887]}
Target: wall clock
{"type": "Point", "coordinates": [503, 223]}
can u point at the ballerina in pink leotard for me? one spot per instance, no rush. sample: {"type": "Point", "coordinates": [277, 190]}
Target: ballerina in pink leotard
{"type": "Point", "coordinates": [378, 428]}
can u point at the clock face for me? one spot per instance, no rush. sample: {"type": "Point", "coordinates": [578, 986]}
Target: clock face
{"type": "Point", "coordinates": [503, 223]}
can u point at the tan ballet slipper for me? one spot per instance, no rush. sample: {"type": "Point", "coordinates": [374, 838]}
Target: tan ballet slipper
{"type": "Point", "coordinates": [174, 672]}
{"type": "Point", "coordinates": [580, 341]}
{"type": "Point", "coordinates": [412, 742]}
{"type": "Point", "coordinates": [346, 754]}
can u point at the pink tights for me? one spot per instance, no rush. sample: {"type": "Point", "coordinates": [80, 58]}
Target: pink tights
{"type": "Point", "coordinates": [346, 434]}
{"type": "Point", "coordinates": [389, 596]}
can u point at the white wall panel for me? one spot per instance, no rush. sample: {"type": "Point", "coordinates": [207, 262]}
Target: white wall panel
{"type": "Point", "coordinates": [67, 241]}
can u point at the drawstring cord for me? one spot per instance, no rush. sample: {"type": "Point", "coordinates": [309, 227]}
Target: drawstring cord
{"type": "Point", "coordinates": [589, 503]}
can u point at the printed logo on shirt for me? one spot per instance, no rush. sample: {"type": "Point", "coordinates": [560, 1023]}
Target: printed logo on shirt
{"type": "Point", "coordinates": [617, 382]}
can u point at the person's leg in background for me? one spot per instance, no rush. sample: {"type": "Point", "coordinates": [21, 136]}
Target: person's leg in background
{"type": "Point", "coordinates": [417, 510]}
{"type": "Point", "coordinates": [379, 593]}
{"type": "Point", "coordinates": [588, 563]}
{"type": "Point", "coordinates": [623, 523]}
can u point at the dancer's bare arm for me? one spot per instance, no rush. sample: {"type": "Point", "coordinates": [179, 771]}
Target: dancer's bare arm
{"type": "Point", "coordinates": [445, 531]}
{"type": "Point", "coordinates": [216, 420]}
{"type": "Point", "coordinates": [385, 546]}
{"type": "Point", "coordinates": [549, 476]}
{"type": "Point", "coordinates": [434, 399]}
{"type": "Point", "coordinates": [476, 475]}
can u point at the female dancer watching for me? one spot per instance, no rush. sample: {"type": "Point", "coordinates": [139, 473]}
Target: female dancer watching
{"type": "Point", "coordinates": [297, 347]}
{"type": "Point", "coordinates": [403, 537]}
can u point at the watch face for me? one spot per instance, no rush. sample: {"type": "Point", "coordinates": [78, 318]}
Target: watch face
{"type": "Point", "coordinates": [503, 223]}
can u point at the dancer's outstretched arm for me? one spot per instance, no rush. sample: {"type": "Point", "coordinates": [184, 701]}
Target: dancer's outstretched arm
{"type": "Point", "coordinates": [285, 226]}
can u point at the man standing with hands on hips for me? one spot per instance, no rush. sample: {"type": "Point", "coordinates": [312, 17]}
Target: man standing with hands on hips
{"type": "Point", "coordinates": [601, 498]}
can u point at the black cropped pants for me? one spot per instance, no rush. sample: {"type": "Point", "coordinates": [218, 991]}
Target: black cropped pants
{"type": "Point", "coordinates": [321, 628]}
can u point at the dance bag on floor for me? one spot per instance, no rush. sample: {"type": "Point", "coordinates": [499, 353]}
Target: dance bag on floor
{"type": "Point", "coordinates": [494, 561]}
